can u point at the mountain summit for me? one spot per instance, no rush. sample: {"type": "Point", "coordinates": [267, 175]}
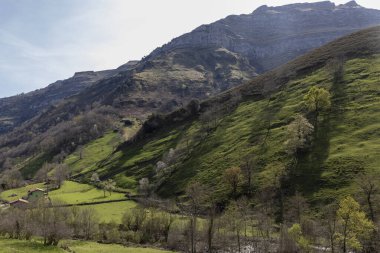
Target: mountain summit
{"type": "Point", "coordinates": [352, 4]}
{"type": "Point", "coordinates": [271, 36]}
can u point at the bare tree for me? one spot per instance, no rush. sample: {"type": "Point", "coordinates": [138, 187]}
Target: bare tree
{"type": "Point", "coordinates": [88, 218]}
{"type": "Point", "coordinates": [247, 168]}
{"type": "Point", "coordinates": [296, 207]}
{"type": "Point", "coordinates": [243, 205]}
{"type": "Point", "coordinates": [211, 209]}
{"type": "Point", "coordinates": [196, 193]}
{"type": "Point", "coordinates": [50, 222]}
{"type": "Point", "coordinates": [232, 176]}
{"type": "Point", "coordinates": [95, 178]}
{"type": "Point", "coordinates": [330, 224]}
{"type": "Point", "coordinates": [298, 134]}
{"type": "Point", "coordinates": [336, 68]}
{"type": "Point", "coordinates": [264, 211]}
{"type": "Point", "coordinates": [234, 221]}
{"type": "Point", "coordinates": [167, 220]}
{"type": "Point", "coordinates": [61, 173]}
{"type": "Point", "coordinates": [144, 186]}
{"type": "Point", "coordinates": [13, 178]}
{"type": "Point", "coordinates": [368, 184]}
{"type": "Point", "coordinates": [74, 220]}
{"type": "Point", "coordinates": [108, 185]}
{"type": "Point", "coordinates": [80, 151]}
{"type": "Point", "coordinates": [210, 119]}
{"type": "Point", "coordinates": [7, 164]}
{"type": "Point", "coordinates": [43, 173]}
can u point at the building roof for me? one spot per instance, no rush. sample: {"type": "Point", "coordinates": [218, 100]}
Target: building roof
{"type": "Point", "coordinates": [19, 201]}
{"type": "Point", "coordinates": [36, 190]}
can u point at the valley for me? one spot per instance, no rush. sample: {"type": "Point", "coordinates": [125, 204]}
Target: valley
{"type": "Point", "coordinates": [256, 133]}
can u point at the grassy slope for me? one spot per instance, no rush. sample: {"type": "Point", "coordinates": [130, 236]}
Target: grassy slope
{"type": "Point", "coordinates": [130, 165]}
{"type": "Point", "coordinates": [92, 153]}
{"type": "Point", "coordinates": [98, 150]}
{"type": "Point", "coordinates": [112, 212]}
{"type": "Point", "coordinates": [20, 192]}
{"type": "Point", "coordinates": [75, 193]}
{"type": "Point", "coordinates": [347, 140]}
{"type": "Point", "coordinates": [12, 246]}
{"type": "Point", "coordinates": [70, 193]}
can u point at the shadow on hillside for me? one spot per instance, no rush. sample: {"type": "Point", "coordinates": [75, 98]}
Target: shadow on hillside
{"type": "Point", "coordinates": [306, 177]}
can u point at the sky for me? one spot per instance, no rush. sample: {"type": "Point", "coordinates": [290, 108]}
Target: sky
{"type": "Point", "coordinates": [42, 41]}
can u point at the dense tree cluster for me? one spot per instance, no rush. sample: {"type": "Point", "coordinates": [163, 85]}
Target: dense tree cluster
{"type": "Point", "coordinates": [51, 223]}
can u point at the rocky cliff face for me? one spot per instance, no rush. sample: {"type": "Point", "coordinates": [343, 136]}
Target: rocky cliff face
{"type": "Point", "coordinates": [271, 36]}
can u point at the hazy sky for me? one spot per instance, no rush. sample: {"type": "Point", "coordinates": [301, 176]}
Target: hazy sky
{"type": "Point", "coordinates": [42, 41]}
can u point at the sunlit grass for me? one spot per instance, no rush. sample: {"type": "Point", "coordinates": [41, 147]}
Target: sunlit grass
{"type": "Point", "coordinates": [19, 246]}
{"type": "Point", "coordinates": [69, 193]}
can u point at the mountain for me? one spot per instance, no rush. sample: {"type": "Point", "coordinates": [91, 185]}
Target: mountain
{"type": "Point", "coordinates": [191, 66]}
{"type": "Point", "coordinates": [198, 65]}
{"type": "Point", "coordinates": [188, 66]}
{"type": "Point", "coordinates": [18, 109]}
{"type": "Point", "coordinates": [271, 36]}
{"type": "Point", "coordinates": [200, 141]}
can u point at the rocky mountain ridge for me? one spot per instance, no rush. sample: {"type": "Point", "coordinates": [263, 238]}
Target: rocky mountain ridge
{"type": "Point", "coordinates": [262, 40]}
{"type": "Point", "coordinates": [17, 109]}
{"type": "Point", "coordinates": [271, 36]}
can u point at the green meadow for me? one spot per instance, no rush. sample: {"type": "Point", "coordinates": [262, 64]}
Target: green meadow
{"type": "Point", "coordinates": [18, 246]}
{"type": "Point", "coordinates": [69, 193]}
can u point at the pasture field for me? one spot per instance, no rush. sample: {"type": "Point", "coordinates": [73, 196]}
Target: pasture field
{"type": "Point", "coordinates": [18, 246]}
{"type": "Point", "coordinates": [70, 193]}
{"type": "Point", "coordinates": [108, 212]}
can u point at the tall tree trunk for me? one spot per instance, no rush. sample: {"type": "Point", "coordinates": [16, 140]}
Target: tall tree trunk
{"type": "Point", "coordinates": [345, 238]}
{"type": "Point", "coordinates": [332, 244]}
{"type": "Point", "coordinates": [193, 228]}
{"type": "Point", "coordinates": [316, 121]}
{"type": "Point", "coordinates": [370, 206]}
{"type": "Point", "coordinates": [210, 231]}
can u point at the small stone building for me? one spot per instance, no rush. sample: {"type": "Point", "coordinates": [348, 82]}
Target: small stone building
{"type": "Point", "coordinates": [20, 203]}
{"type": "Point", "coordinates": [35, 194]}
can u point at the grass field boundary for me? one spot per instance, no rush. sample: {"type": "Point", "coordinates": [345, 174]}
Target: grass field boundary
{"type": "Point", "coordinates": [95, 203]}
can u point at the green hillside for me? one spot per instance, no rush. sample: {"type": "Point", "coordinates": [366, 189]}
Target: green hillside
{"type": "Point", "coordinates": [345, 143]}
{"type": "Point", "coordinates": [86, 158]}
